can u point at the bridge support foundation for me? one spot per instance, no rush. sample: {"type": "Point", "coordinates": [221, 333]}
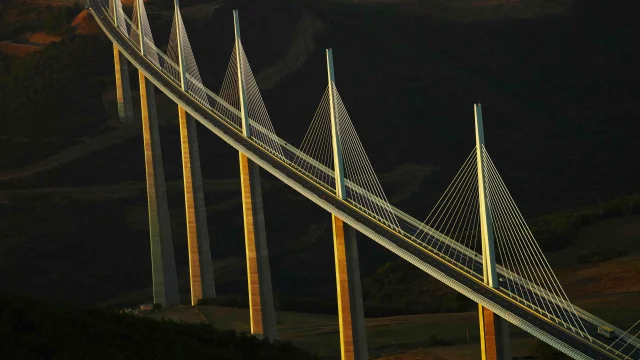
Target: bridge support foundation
{"type": "Point", "coordinates": [353, 336]}
{"type": "Point", "coordinates": [163, 265]}
{"type": "Point", "coordinates": [261, 306]}
{"type": "Point", "coordinates": [123, 87]}
{"type": "Point", "coordinates": [494, 335]}
{"type": "Point", "coordinates": [200, 265]}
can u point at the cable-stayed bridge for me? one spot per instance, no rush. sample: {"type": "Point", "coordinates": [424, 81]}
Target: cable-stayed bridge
{"type": "Point", "coordinates": [474, 240]}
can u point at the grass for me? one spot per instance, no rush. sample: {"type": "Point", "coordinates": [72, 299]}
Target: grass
{"type": "Point", "coordinates": [38, 330]}
{"type": "Point", "coordinates": [617, 234]}
{"type": "Point", "coordinates": [319, 333]}
{"type": "Point", "coordinates": [615, 239]}
{"type": "Point", "coordinates": [182, 313]}
{"type": "Point", "coordinates": [618, 309]}
{"type": "Point", "coordinates": [614, 276]}
{"type": "Point", "coordinates": [409, 334]}
{"type": "Point", "coordinates": [519, 347]}
{"type": "Point", "coordinates": [405, 337]}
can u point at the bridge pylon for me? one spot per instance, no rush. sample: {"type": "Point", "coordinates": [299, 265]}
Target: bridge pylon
{"type": "Point", "coordinates": [163, 265]}
{"type": "Point", "coordinates": [200, 264]}
{"type": "Point", "coordinates": [261, 304]}
{"type": "Point", "coordinates": [494, 331]}
{"type": "Point", "coordinates": [123, 85]}
{"type": "Point", "coordinates": [353, 336]}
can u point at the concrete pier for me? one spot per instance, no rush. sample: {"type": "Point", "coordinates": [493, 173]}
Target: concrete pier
{"type": "Point", "coordinates": [200, 266]}
{"type": "Point", "coordinates": [261, 306]}
{"type": "Point", "coordinates": [494, 335]}
{"type": "Point", "coordinates": [353, 336]}
{"type": "Point", "coordinates": [123, 87]}
{"type": "Point", "coordinates": [163, 266]}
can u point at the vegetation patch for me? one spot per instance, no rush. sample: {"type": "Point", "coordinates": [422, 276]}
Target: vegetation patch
{"type": "Point", "coordinates": [556, 231]}
{"type": "Point", "coordinates": [52, 95]}
{"type": "Point", "coordinates": [33, 330]}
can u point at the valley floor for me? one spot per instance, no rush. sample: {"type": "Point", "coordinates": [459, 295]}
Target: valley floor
{"type": "Point", "coordinates": [401, 337]}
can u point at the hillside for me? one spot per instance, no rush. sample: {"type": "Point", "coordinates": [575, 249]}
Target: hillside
{"type": "Point", "coordinates": [36, 330]}
{"type": "Point", "coordinates": [561, 120]}
{"type": "Point", "coordinates": [412, 337]}
{"type": "Point", "coordinates": [85, 24]}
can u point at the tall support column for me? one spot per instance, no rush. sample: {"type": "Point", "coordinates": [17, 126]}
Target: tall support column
{"type": "Point", "coordinates": [123, 87]}
{"type": "Point", "coordinates": [163, 266]}
{"type": "Point", "coordinates": [200, 264]}
{"type": "Point", "coordinates": [353, 336]}
{"type": "Point", "coordinates": [261, 305]}
{"type": "Point", "coordinates": [494, 331]}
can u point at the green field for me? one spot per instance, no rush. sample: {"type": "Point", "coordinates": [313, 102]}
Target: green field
{"type": "Point", "coordinates": [406, 337]}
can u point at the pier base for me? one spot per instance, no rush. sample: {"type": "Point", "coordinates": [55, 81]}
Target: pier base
{"type": "Point", "coordinates": [262, 311]}
{"type": "Point", "coordinates": [353, 337]}
{"type": "Point", "coordinates": [494, 335]}
{"type": "Point", "coordinates": [200, 265]}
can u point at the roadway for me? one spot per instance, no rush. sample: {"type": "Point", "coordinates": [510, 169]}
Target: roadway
{"type": "Point", "coordinates": [523, 316]}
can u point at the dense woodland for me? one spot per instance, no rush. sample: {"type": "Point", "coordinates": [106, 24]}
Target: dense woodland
{"type": "Point", "coordinates": [51, 330]}
{"type": "Point", "coordinates": [39, 330]}
{"type": "Point", "coordinates": [52, 96]}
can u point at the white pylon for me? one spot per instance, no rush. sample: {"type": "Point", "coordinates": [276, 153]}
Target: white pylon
{"type": "Point", "coordinates": [486, 221]}
{"type": "Point", "coordinates": [244, 107]}
{"type": "Point", "coordinates": [335, 133]}
{"type": "Point", "coordinates": [181, 63]}
{"type": "Point", "coordinates": [143, 50]}
{"type": "Point", "coordinates": [115, 13]}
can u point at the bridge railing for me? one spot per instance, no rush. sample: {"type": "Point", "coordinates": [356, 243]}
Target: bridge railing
{"type": "Point", "coordinates": [214, 104]}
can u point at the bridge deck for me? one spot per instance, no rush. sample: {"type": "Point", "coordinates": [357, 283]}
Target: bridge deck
{"type": "Point", "coordinates": [430, 260]}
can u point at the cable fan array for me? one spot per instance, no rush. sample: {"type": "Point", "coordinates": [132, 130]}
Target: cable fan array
{"type": "Point", "coordinates": [456, 216]}
{"type": "Point", "coordinates": [169, 68]}
{"type": "Point", "coordinates": [261, 130]}
{"type": "Point", "coordinates": [629, 341]}
{"type": "Point", "coordinates": [140, 16]}
{"type": "Point", "coordinates": [229, 93]}
{"type": "Point", "coordinates": [318, 146]}
{"type": "Point", "coordinates": [193, 83]}
{"type": "Point", "coordinates": [452, 229]}
{"type": "Point", "coordinates": [522, 256]}
{"type": "Point", "coordinates": [362, 185]}
{"type": "Point", "coordinates": [122, 25]}
{"type": "Point", "coordinates": [363, 188]}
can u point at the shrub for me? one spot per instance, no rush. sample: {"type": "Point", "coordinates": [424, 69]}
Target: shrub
{"type": "Point", "coordinates": [35, 330]}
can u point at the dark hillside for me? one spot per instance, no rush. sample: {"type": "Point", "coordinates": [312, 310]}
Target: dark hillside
{"type": "Point", "coordinates": [560, 96]}
{"type": "Point", "coordinates": [39, 330]}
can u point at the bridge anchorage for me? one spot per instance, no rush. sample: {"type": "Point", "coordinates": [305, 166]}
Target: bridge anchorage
{"type": "Point", "coordinates": [475, 239]}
